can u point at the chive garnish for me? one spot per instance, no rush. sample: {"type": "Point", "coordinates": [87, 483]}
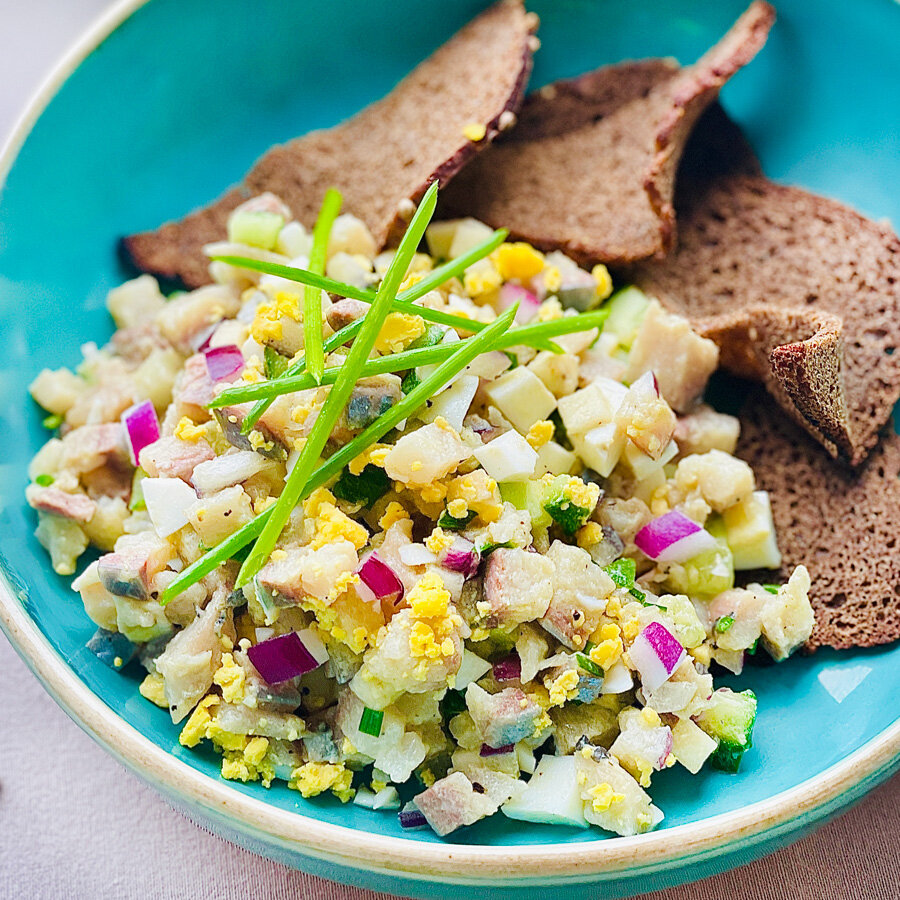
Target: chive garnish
{"type": "Point", "coordinates": [723, 624]}
{"type": "Point", "coordinates": [393, 362]}
{"type": "Point", "coordinates": [404, 303]}
{"type": "Point", "coordinates": [588, 664]}
{"type": "Point", "coordinates": [266, 391]}
{"type": "Point", "coordinates": [312, 296]}
{"type": "Point", "coordinates": [340, 392]}
{"type": "Point", "coordinates": [53, 421]}
{"type": "Point", "coordinates": [44, 480]}
{"type": "Point", "coordinates": [370, 721]}
{"type": "Point", "coordinates": [466, 351]}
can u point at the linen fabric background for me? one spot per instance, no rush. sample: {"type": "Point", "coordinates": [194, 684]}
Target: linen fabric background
{"type": "Point", "coordinates": [74, 824]}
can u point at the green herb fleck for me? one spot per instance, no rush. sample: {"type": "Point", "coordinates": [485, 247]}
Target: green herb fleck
{"type": "Point", "coordinates": [369, 486]}
{"type": "Point", "coordinates": [724, 623]}
{"type": "Point", "coordinates": [370, 721]}
{"type": "Point", "coordinates": [772, 588]}
{"type": "Point", "coordinates": [276, 364]}
{"type": "Point", "coordinates": [452, 523]}
{"type": "Point", "coordinates": [44, 480]}
{"type": "Point", "coordinates": [588, 664]}
{"type": "Point", "coordinates": [53, 422]}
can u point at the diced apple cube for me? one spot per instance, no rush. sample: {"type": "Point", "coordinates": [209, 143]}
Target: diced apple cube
{"type": "Point", "coordinates": [750, 532]}
{"type": "Point", "coordinates": [552, 795]}
{"type": "Point", "coordinates": [558, 371]}
{"type": "Point", "coordinates": [601, 447]}
{"type": "Point", "coordinates": [596, 404]}
{"type": "Point", "coordinates": [522, 398]}
{"type": "Point", "coordinates": [555, 459]}
{"type": "Point", "coordinates": [691, 745]}
{"type": "Point", "coordinates": [508, 457]}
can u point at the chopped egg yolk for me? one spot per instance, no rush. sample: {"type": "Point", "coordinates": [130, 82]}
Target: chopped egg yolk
{"type": "Point", "coordinates": [399, 331]}
{"type": "Point", "coordinates": [230, 677]}
{"type": "Point", "coordinates": [267, 321]}
{"type": "Point", "coordinates": [602, 797]}
{"type": "Point", "coordinates": [539, 434]}
{"type": "Point", "coordinates": [518, 260]}
{"type": "Point", "coordinates": [314, 778]}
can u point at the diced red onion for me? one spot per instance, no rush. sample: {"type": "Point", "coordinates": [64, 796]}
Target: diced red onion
{"type": "Point", "coordinates": [673, 538]}
{"type": "Point", "coordinates": [412, 817]}
{"type": "Point", "coordinates": [380, 578]}
{"type": "Point", "coordinates": [141, 428]}
{"type": "Point", "coordinates": [646, 385]}
{"type": "Point", "coordinates": [655, 653]}
{"type": "Point", "coordinates": [514, 293]}
{"type": "Point", "coordinates": [223, 363]}
{"type": "Point", "coordinates": [282, 658]}
{"type": "Point", "coordinates": [509, 668]}
{"type": "Point", "coordinates": [462, 556]}
{"type": "Point", "coordinates": [493, 751]}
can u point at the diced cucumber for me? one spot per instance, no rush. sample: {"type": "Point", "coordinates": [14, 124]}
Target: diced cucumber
{"type": "Point", "coordinates": [562, 509]}
{"type": "Point", "coordinates": [528, 496]}
{"type": "Point", "coordinates": [255, 228]}
{"type": "Point", "coordinates": [729, 719]}
{"type": "Point", "coordinates": [626, 310]}
{"type": "Point", "coordinates": [709, 573]}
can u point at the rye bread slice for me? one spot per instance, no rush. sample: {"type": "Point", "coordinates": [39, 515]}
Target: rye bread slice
{"type": "Point", "coordinates": [382, 159]}
{"type": "Point", "coordinates": [841, 524]}
{"type": "Point", "coordinates": [748, 247]}
{"type": "Point", "coordinates": [597, 180]}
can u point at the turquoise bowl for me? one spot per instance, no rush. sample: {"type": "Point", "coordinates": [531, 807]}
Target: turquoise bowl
{"type": "Point", "coordinates": [166, 103]}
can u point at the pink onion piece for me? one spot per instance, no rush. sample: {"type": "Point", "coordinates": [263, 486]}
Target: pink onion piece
{"type": "Point", "coordinates": [462, 556]}
{"type": "Point", "coordinates": [380, 578]}
{"type": "Point", "coordinates": [223, 363]}
{"type": "Point", "coordinates": [141, 428]}
{"type": "Point", "coordinates": [200, 341]}
{"type": "Point", "coordinates": [673, 538]}
{"type": "Point", "coordinates": [514, 293]}
{"type": "Point", "coordinates": [509, 668]}
{"type": "Point", "coordinates": [282, 658]}
{"type": "Point", "coordinates": [493, 751]}
{"type": "Point", "coordinates": [655, 653]}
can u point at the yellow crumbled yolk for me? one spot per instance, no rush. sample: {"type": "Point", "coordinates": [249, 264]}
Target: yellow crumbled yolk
{"type": "Point", "coordinates": [258, 441]}
{"type": "Point", "coordinates": [186, 430]}
{"type": "Point", "coordinates": [439, 540]}
{"type": "Point", "coordinates": [651, 717]}
{"type": "Point", "coordinates": [589, 534]}
{"type": "Point", "coordinates": [553, 282]}
{"type": "Point", "coordinates": [374, 455]}
{"type": "Point", "coordinates": [426, 776]}
{"type": "Point", "coordinates": [581, 493]}
{"type": "Point", "coordinates": [249, 763]}
{"type": "Point", "coordinates": [518, 260]}
{"type": "Point", "coordinates": [480, 494]}
{"type": "Point", "coordinates": [550, 310]}
{"type": "Point", "coordinates": [195, 729]}
{"type": "Point", "coordinates": [608, 650]}
{"type": "Point", "coordinates": [540, 433]}
{"type": "Point", "coordinates": [230, 678]}
{"type": "Point", "coordinates": [603, 280]}
{"type": "Point", "coordinates": [541, 724]}
{"type": "Point", "coordinates": [153, 688]}
{"type": "Point", "coordinates": [429, 598]}
{"type": "Point", "coordinates": [474, 131]}
{"type": "Point", "coordinates": [314, 778]}
{"type": "Point", "coordinates": [267, 321]}
{"type": "Point", "coordinates": [563, 688]}
{"type": "Point", "coordinates": [333, 525]}
{"type": "Point", "coordinates": [602, 797]}
{"type": "Point", "coordinates": [394, 513]}
{"type": "Point", "coordinates": [482, 281]}
{"type": "Point", "coordinates": [398, 331]}
{"type": "Point", "coordinates": [253, 373]}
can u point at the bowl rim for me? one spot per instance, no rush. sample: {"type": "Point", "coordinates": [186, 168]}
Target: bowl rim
{"type": "Point", "coordinates": [805, 803]}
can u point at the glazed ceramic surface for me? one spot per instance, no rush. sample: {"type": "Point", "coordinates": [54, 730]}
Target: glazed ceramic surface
{"type": "Point", "coordinates": [157, 112]}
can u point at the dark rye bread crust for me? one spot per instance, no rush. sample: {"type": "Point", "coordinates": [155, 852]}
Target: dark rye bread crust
{"type": "Point", "coordinates": [841, 524]}
{"type": "Point", "coordinates": [597, 180]}
{"type": "Point", "coordinates": [382, 158]}
{"type": "Point", "coordinates": [746, 244]}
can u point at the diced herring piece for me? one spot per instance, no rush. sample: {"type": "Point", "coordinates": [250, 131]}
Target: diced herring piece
{"type": "Point", "coordinates": [130, 569]}
{"type": "Point", "coordinates": [453, 802]}
{"type": "Point", "coordinates": [77, 507]}
{"type": "Point", "coordinates": [171, 457]}
{"type": "Point", "coordinates": [502, 718]}
{"type": "Point", "coordinates": [518, 586]}
{"type": "Point", "coordinates": [681, 360]}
